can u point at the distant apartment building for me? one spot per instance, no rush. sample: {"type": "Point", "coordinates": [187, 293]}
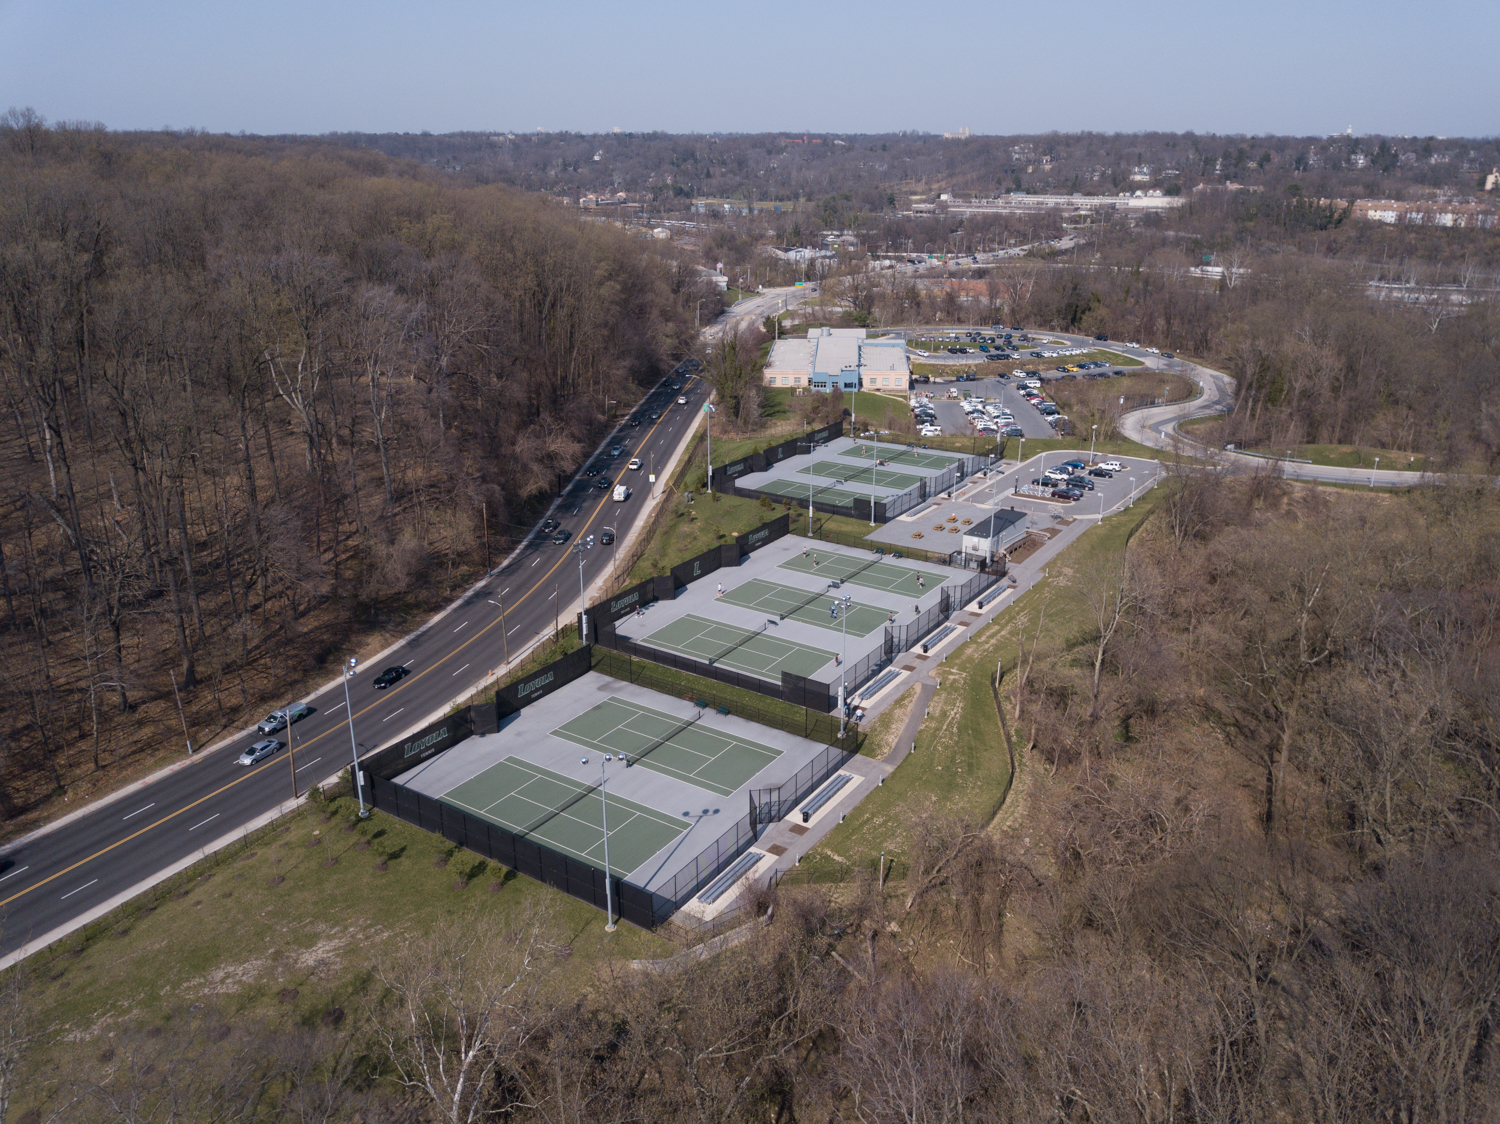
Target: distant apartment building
{"type": "Point", "coordinates": [1429, 212]}
{"type": "Point", "coordinates": [842, 358]}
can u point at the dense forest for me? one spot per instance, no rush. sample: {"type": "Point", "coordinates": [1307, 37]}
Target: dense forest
{"type": "Point", "coordinates": [259, 396]}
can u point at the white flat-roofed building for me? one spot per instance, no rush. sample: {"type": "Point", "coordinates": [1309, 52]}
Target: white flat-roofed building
{"type": "Point", "coordinates": [839, 357]}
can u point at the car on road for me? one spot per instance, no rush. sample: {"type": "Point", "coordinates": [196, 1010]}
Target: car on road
{"type": "Point", "coordinates": [259, 751]}
{"type": "Point", "coordinates": [604, 483]}
{"type": "Point", "coordinates": [635, 422]}
{"type": "Point", "coordinates": [390, 677]}
{"type": "Point", "coordinates": [1113, 466]}
{"type": "Point", "coordinates": [549, 525]}
{"type": "Point", "coordinates": [1168, 355]}
{"type": "Point", "coordinates": [278, 718]}
{"type": "Point", "coordinates": [606, 536]}
{"type": "Point", "coordinates": [1101, 336]}
{"type": "Point", "coordinates": [682, 400]}
{"type": "Point", "coordinates": [616, 450]}
{"type": "Point", "coordinates": [1102, 473]}
{"type": "Point", "coordinates": [592, 470]}
{"type": "Point", "coordinates": [654, 415]}
{"type": "Point", "coordinates": [562, 536]}
{"type": "Point", "coordinates": [635, 463]}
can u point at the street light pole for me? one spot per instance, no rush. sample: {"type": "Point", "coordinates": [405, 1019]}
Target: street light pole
{"type": "Point", "coordinates": [583, 615]}
{"type": "Point", "coordinates": [1094, 433]}
{"type": "Point", "coordinates": [291, 752]}
{"type": "Point", "coordinates": [359, 782]}
{"type": "Point", "coordinates": [708, 421]}
{"type": "Point", "coordinates": [501, 606]}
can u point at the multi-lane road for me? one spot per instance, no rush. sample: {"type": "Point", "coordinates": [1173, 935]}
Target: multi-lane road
{"type": "Point", "coordinates": [55, 878]}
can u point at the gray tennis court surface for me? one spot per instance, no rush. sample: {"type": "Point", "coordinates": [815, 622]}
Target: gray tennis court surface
{"type": "Point", "coordinates": [811, 607]}
{"type": "Point", "coordinates": [903, 578]}
{"type": "Point", "coordinates": [755, 651]}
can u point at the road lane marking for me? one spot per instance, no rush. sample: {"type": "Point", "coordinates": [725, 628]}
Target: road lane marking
{"type": "Point", "coordinates": [513, 629]}
{"type": "Point", "coordinates": [70, 893]}
{"type": "Point", "coordinates": [393, 714]}
{"type": "Point", "coordinates": [138, 811]}
{"type": "Point", "coordinates": [210, 819]}
{"type": "Point", "coordinates": [309, 765]}
{"type": "Point", "coordinates": [15, 872]}
{"type": "Point", "coordinates": [464, 625]}
{"type": "Point", "coordinates": [503, 592]}
{"type": "Point", "coordinates": [261, 768]}
{"type": "Point", "coordinates": [460, 669]}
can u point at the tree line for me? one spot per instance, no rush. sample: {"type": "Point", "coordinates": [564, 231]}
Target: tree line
{"type": "Point", "coordinates": [258, 396]}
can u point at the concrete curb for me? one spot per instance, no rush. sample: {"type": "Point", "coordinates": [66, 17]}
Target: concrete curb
{"type": "Point", "coordinates": [160, 876]}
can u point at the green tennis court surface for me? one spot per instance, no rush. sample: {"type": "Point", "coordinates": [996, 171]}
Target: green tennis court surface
{"type": "Point", "coordinates": [565, 815]}
{"type": "Point", "coordinates": [900, 454]}
{"type": "Point", "coordinates": [819, 492]}
{"type": "Point", "coordinates": [905, 580]}
{"type": "Point", "coordinates": [762, 654]}
{"type": "Point", "coordinates": [868, 474]}
{"type": "Point", "coordinates": [710, 759]}
{"type": "Point", "coordinates": [793, 604]}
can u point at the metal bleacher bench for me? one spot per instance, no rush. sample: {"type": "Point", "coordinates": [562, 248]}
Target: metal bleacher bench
{"type": "Point", "coordinates": [824, 795]}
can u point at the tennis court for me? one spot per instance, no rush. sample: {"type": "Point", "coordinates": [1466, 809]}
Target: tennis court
{"type": "Point", "coordinates": [540, 805]}
{"type": "Point", "coordinates": [784, 601]}
{"type": "Point", "coordinates": [909, 581]}
{"type": "Point", "coordinates": [799, 492]}
{"type": "Point", "coordinates": [678, 747]}
{"type": "Point", "coordinates": [900, 454]}
{"type": "Point", "coordinates": [756, 652]}
{"type": "Point", "coordinates": [868, 474]}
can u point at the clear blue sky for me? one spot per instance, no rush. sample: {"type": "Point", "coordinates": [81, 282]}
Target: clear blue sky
{"type": "Point", "coordinates": [270, 66]}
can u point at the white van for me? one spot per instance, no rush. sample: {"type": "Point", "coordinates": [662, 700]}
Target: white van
{"type": "Point", "coordinates": [622, 493]}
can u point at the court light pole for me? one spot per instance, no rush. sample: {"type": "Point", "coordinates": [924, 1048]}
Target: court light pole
{"type": "Point", "coordinates": [840, 611]}
{"type": "Point", "coordinates": [1092, 435]}
{"type": "Point", "coordinates": [359, 783]}
{"type": "Point", "coordinates": [609, 897]}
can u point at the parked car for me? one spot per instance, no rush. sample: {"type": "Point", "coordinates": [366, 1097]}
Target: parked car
{"type": "Point", "coordinates": [1066, 494]}
{"type": "Point", "coordinates": [1102, 473]}
{"type": "Point", "coordinates": [390, 677]}
{"type": "Point", "coordinates": [1101, 336]}
{"type": "Point", "coordinates": [1113, 466]}
{"type": "Point", "coordinates": [259, 751]}
{"type": "Point", "coordinates": [1081, 482]}
{"type": "Point", "coordinates": [1073, 464]}
{"type": "Point", "coordinates": [278, 718]}
{"type": "Point", "coordinates": [1056, 473]}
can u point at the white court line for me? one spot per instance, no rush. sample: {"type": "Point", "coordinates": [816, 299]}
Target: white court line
{"type": "Point", "coordinates": [210, 819]}
{"type": "Point", "coordinates": [464, 625]}
{"type": "Point", "coordinates": [70, 893]}
{"type": "Point", "coordinates": [309, 765]}
{"type": "Point", "coordinates": [15, 872]}
{"type": "Point", "coordinates": [138, 811]}
{"type": "Point", "coordinates": [393, 714]}
{"type": "Point", "coordinates": [456, 672]}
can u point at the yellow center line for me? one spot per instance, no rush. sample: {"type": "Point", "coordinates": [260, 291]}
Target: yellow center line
{"type": "Point", "coordinates": [337, 728]}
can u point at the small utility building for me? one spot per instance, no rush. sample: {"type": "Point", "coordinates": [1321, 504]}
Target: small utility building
{"type": "Point", "coordinates": [995, 534]}
{"type": "Point", "coordinates": [839, 357]}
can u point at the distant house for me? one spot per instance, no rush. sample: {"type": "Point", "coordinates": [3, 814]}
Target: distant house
{"type": "Point", "coordinates": [839, 358]}
{"type": "Point", "coordinates": [1428, 212]}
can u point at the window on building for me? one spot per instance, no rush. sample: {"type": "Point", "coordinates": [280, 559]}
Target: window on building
{"type": "Point", "coordinates": [885, 382]}
{"type": "Point", "coordinates": [796, 380]}
{"type": "Point", "coordinates": [786, 380]}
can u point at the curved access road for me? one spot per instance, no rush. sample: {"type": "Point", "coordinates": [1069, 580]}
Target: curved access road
{"type": "Point", "coordinates": [1156, 426]}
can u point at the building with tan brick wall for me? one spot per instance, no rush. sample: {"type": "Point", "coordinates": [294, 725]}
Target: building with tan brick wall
{"type": "Point", "coordinates": [839, 357]}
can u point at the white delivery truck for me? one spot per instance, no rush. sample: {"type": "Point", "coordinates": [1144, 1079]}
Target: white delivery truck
{"type": "Point", "coordinates": [622, 493]}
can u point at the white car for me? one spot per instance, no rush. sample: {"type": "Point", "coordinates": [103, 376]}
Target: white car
{"type": "Point", "coordinates": [259, 751]}
{"type": "Point", "coordinates": [277, 718]}
{"type": "Point", "coordinates": [1056, 474]}
{"type": "Point", "coordinates": [919, 351]}
{"type": "Point", "coordinates": [1113, 466]}
{"type": "Point", "coordinates": [635, 463]}
{"type": "Point", "coordinates": [682, 401]}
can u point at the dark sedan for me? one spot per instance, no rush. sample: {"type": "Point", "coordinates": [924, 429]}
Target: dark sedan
{"type": "Point", "coordinates": [549, 525]}
{"type": "Point", "coordinates": [390, 677]}
{"type": "Point", "coordinates": [1102, 473]}
{"type": "Point", "coordinates": [562, 536]}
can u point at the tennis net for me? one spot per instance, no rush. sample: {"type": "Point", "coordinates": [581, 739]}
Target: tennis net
{"type": "Point", "coordinates": [745, 639]}
{"type": "Point", "coordinates": [804, 603]}
{"type": "Point", "coordinates": [665, 738]}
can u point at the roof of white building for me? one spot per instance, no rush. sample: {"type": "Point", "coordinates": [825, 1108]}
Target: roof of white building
{"type": "Point", "coordinates": [828, 351]}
